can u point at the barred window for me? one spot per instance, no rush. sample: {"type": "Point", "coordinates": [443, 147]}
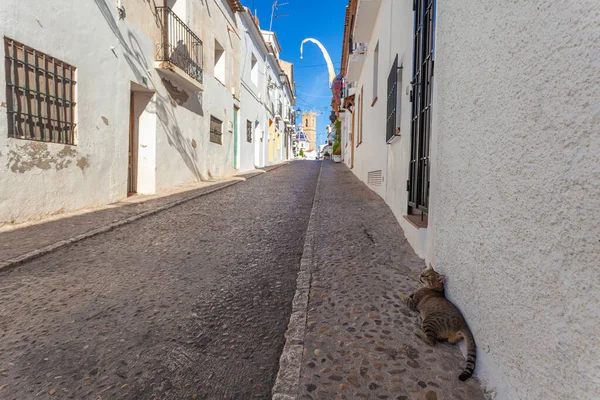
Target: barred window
{"type": "Point", "coordinates": [393, 102]}
{"type": "Point", "coordinates": [40, 93]}
{"type": "Point", "coordinates": [421, 99]}
{"type": "Point", "coordinates": [249, 131]}
{"type": "Point", "coordinates": [216, 130]}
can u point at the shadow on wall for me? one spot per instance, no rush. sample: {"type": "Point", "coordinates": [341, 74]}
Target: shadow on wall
{"type": "Point", "coordinates": [136, 60]}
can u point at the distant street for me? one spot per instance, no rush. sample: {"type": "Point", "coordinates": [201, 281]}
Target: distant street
{"type": "Point", "coordinates": [192, 302]}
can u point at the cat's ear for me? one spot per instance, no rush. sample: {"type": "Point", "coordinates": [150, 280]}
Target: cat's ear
{"type": "Point", "coordinates": [441, 278]}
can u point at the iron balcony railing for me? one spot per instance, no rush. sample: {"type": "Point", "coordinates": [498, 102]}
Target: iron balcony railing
{"type": "Point", "coordinates": [179, 45]}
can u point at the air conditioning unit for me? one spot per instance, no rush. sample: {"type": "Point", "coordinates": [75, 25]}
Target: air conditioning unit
{"type": "Point", "coordinates": [359, 48]}
{"type": "Point", "coordinates": [230, 126]}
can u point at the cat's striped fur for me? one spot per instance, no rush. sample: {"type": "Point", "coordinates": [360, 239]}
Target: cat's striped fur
{"type": "Point", "coordinates": [440, 319]}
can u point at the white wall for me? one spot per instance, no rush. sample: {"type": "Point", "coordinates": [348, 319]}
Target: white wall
{"type": "Point", "coordinates": [372, 153]}
{"type": "Point", "coordinates": [393, 30]}
{"type": "Point", "coordinates": [186, 153]}
{"type": "Point", "coordinates": [109, 54]}
{"type": "Point", "coordinates": [252, 96]}
{"type": "Point", "coordinates": [401, 27]}
{"type": "Point", "coordinates": [514, 212]}
{"type": "Point", "coordinates": [37, 178]}
{"type": "Point", "coordinates": [515, 190]}
{"type": "Point", "coordinates": [272, 68]}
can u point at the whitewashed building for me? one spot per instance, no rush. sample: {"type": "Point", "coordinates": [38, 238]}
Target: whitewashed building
{"type": "Point", "coordinates": [267, 98]}
{"type": "Point", "coordinates": [105, 99]}
{"type": "Point", "coordinates": [479, 124]}
{"type": "Point", "coordinates": [254, 93]}
{"type": "Point", "coordinates": [279, 102]}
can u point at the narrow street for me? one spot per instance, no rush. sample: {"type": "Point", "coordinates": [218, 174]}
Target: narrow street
{"type": "Point", "coordinates": [191, 302]}
{"type": "Point", "coordinates": [300, 200]}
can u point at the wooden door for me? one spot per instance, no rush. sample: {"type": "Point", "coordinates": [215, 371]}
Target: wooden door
{"type": "Point", "coordinates": [132, 153]}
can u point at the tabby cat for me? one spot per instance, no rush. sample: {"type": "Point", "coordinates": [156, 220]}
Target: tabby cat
{"type": "Point", "coordinates": [440, 319]}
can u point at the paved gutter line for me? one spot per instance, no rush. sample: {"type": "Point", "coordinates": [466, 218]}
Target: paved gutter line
{"type": "Point", "coordinates": [288, 378]}
{"type": "Point", "coordinates": [11, 262]}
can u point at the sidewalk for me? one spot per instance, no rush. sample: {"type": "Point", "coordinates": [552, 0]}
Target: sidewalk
{"type": "Point", "coordinates": [19, 243]}
{"type": "Point", "coordinates": [350, 336]}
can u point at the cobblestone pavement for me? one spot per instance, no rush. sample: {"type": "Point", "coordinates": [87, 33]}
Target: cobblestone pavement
{"type": "Point", "coordinates": [188, 303]}
{"type": "Point", "coordinates": [359, 341]}
{"type": "Point", "coordinates": [20, 239]}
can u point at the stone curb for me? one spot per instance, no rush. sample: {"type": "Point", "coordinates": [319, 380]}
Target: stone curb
{"type": "Point", "coordinates": [287, 383]}
{"type": "Point", "coordinates": [107, 228]}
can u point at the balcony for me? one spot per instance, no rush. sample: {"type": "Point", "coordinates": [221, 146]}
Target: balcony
{"type": "Point", "coordinates": [179, 53]}
{"type": "Point", "coordinates": [366, 16]}
{"type": "Point", "coordinates": [358, 55]}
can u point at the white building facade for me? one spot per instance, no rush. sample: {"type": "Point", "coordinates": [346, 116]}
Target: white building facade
{"type": "Point", "coordinates": [254, 94]}
{"type": "Point", "coordinates": [472, 122]}
{"type": "Point", "coordinates": [107, 99]}
{"type": "Point", "coordinates": [279, 102]}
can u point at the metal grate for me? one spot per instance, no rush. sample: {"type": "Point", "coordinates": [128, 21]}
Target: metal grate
{"type": "Point", "coordinates": [392, 102]}
{"type": "Point", "coordinates": [421, 96]}
{"type": "Point", "coordinates": [216, 130]}
{"type": "Point", "coordinates": [374, 178]}
{"type": "Point", "coordinates": [40, 93]}
{"type": "Point", "coordinates": [179, 45]}
{"type": "Point", "coordinates": [249, 131]}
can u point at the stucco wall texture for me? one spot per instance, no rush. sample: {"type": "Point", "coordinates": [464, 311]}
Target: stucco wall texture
{"type": "Point", "coordinates": [516, 189]}
{"type": "Point", "coordinates": [393, 30]}
{"type": "Point", "coordinates": [111, 54]}
{"type": "Point", "coordinates": [44, 178]}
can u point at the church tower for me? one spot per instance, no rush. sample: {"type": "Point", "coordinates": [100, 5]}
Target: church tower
{"type": "Point", "coordinates": [309, 126]}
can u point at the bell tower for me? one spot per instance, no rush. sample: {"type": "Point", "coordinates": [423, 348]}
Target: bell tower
{"type": "Point", "coordinates": [309, 126]}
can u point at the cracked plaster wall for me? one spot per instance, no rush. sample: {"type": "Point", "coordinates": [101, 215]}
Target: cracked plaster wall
{"type": "Point", "coordinates": [109, 53]}
{"type": "Point", "coordinates": [37, 178]}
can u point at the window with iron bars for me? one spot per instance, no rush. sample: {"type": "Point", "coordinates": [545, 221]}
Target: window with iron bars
{"type": "Point", "coordinates": [249, 131]}
{"type": "Point", "coordinates": [40, 93]}
{"type": "Point", "coordinates": [216, 130]}
{"type": "Point", "coordinates": [393, 105]}
{"type": "Point", "coordinates": [421, 98]}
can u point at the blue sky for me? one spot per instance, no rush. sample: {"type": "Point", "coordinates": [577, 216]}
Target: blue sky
{"type": "Point", "coordinates": [319, 19]}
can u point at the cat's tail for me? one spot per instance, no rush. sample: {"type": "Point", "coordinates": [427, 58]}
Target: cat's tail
{"type": "Point", "coordinates": [471, 354]}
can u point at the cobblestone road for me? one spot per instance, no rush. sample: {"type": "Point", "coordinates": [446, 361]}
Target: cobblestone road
{"type": "Point", "coordinates": [359, 341]}
{"type": "Point", "coordinates": [188, 303]}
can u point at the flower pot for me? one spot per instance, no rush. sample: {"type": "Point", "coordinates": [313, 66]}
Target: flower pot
{"type": "Point", "coordinates": [336, 158]}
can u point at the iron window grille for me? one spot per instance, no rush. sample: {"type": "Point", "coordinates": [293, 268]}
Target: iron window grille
{"type": "Point", "coordinates": [179, 45]}
{"type": "Point", "coordinates": [216, 130]}
{"type": "Point", "coordinates": [249, 131]}
{"type": "Point", "coordinates": [40, 93]}
{"type": "Point", "coordinates": [392, 102]}
{"type": "Point", "coordinates": [421, 97]}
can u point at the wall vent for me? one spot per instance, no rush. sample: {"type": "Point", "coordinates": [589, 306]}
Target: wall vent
{"type": "Point", "coordinates": [375, 178]}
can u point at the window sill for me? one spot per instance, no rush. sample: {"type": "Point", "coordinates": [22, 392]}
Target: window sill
{"type": "Point", "coordinates": [173, 72]}
{"type": "Point", "coordinates": [221, 83]}
{"type": "Point", "coordinates": [374, 101]}
{"type": "Point", "coordinates": [418, 221]}
{"type": "Point", "coordinates": [30, 139]}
